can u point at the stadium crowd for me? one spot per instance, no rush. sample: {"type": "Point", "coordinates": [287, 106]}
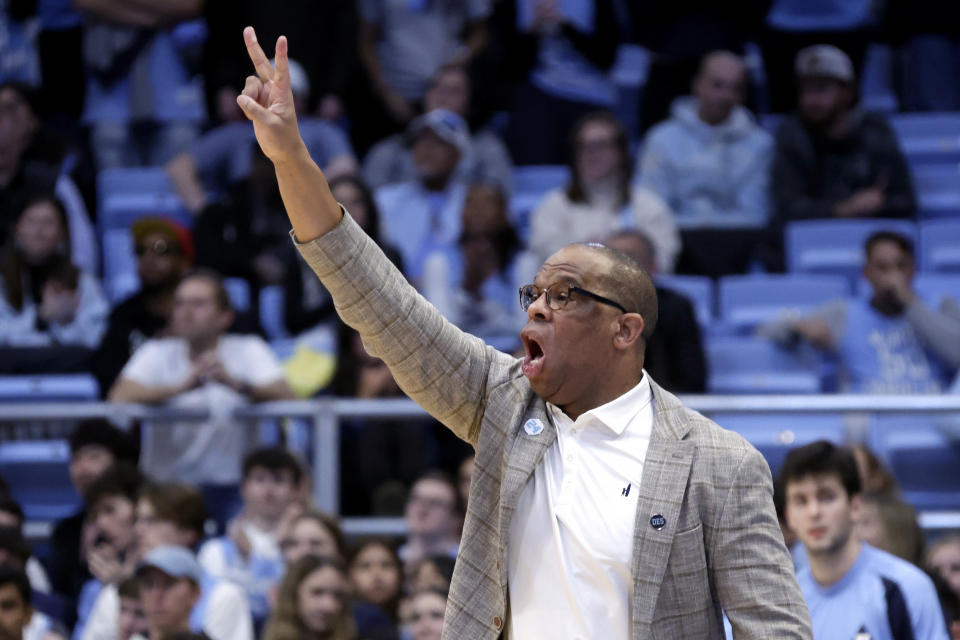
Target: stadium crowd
{"type": "Point", "coordinates": [431, 118]}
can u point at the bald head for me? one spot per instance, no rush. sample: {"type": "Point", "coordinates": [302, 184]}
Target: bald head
{"type": "Point", "coordinates": [719, 86]}
{"type": "Point", "coordinates": [625, 281]}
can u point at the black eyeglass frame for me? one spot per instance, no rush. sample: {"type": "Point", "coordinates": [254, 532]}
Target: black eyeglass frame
{"type": "Point", "coordinates": [574, 289]}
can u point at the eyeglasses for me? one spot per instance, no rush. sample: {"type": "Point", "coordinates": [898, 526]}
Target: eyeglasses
{"type": "Point", "coordinates": [159, 247]}
{"type": "Point", "coordinates": [558, 295]}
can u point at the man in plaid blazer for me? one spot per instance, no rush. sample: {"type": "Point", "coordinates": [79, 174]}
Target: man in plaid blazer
{"type": "Point", "coordinates": [705, 537]}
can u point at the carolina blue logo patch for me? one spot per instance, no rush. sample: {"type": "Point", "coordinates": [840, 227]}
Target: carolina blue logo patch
{"type": "Point", "coordinates": [533, 426]}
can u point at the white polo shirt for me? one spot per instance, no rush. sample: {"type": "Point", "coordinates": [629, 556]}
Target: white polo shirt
{"type": "Point", "coordinates": [571, 538]}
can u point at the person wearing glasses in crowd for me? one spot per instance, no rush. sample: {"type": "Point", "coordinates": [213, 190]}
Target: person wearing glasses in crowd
{"type": "Point", "coordinates": [600, 506]}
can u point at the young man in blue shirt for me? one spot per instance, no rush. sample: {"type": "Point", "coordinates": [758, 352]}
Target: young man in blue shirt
{"type": "Point", "coordinates": [853, 591]}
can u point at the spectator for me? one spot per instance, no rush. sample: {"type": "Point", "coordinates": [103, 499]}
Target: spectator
{"type": "Point", "coordinates": [95, 447]}
{"type": "Point", "coordinates": [476, 288]}
{"type": "Point", "coordinates": [886, 522]}
{"type": "Point", "coordinates": [164, 251]}
{"type": "Point", "coordinates": [376, 576]}
{"type": "Point", "coordinates": [132, 620]}
{"type": "Point", "coordinates": [312, 602]}
{"type": "Point", "coordinates": [249, 555]}
{"type": "Point", "coordinates": [51, 314]}
{"type": "Point", "coordinates": [16, 613]}
{"type": "Point", "coordinates": [312, 533]}
{"type": "Point", "coordinates": [599, 199]}
{"type": "Point", "coordinates": [143, 101]}
{"type": "Point", "coordinates": [674, 356]}
{"type": "Point", "coordinates": [488, 161]}
{"type": "Point", "coordinates": [710, 162]}
{"type": "Point", "coordinates": [874, 476]}
{"type": "Point", "coordinates": [850, 587]}
{"type": "Point", "coordinates": [402, 46]}
{"type": "Point", "coordinates": [426, 613]}
{"type": "Point", "coordinates": [433, 516]}
{"type": "Point", "coordinates": [307, 302]}
{"type": "Point", "coordinates": [326, 37]}
{"type": "Point", "coordinates": [891, 342]}
{"type": "Point", "coordinates": [833, 160]}
{"type": "Point", "coordinates": [26, 173]}
{"type": "Point", "coordinates": [433, 572]}
{"type": "Point", "coordinates": [49, 612]}
{"type": "Point", "coordinates": [424, 214]}
{"type": "Point", "coordinates": [927, 54]}
{"type": "Point", "coordinates": [12, 517]}
{"type": "Point", "coordinates": [943, 556]}
{"type": "Point", "coordinates": [200, 366]}
{"type": "Point", "coordinates": [169, 578]}
{"type": "Point", "coordinates": [576, 45]}
{"type": "Point", "coordinates": [171, 514]}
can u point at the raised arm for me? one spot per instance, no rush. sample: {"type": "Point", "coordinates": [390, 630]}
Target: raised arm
{"type": "Point", "coordinates": [268, 102]}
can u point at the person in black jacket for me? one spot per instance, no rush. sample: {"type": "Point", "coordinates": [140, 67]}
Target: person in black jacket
{"type": "Point", "coordinates": [674, 356]}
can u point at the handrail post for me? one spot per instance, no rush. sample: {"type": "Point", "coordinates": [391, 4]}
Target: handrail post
{"type": "Point", "coordinates": [326, 457]}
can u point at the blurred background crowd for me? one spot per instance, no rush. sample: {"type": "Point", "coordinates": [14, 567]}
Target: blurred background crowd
{"type": "Point", "coordinates": [787, 170]}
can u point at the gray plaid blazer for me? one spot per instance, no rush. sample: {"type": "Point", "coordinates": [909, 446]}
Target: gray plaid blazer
{"type": "Point", "coordinates": [721, 547]}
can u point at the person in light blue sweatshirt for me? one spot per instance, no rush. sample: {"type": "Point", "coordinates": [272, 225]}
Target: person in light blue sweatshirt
{"type": "Point", "coordinates": [710, 160]}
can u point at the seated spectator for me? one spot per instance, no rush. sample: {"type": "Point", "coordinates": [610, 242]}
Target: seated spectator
{"type": "Point", "coordinates": [169, 578]}
{"type": "Point", "coordinates": [425, 613]}
{"type": "Point", "coordinates": [49, 611]}
{"type": "Point", "coordinates": [132, 621]}
{"type": "Point", "coordinates": [311, 533]}
{"type": "Point", "coordinates": [476, 287]}
{"type": "Point", "coordinates": [173, 514]}
{"type": "Point", "coordinates": [434, 517]}
{"type": "Point", "coordinates": [51, 314]}
{"type": "Point", "coordinates": [312, 602]}
{"type": "Point", "coordinates": [109, 543]}
{"type": "Point", "coordinates": [18, 621]}
{"type": "Point", "coordinates": [402, 46]}
{"type": "Point", "coordinates": [890, 342]}
{"type": "Point", "coordinates": [200, 366]}
{"type": "Point", "coordinates": [433, 572]}
{"type": "Point", "coordinates": [574, 47]}
{"type": "Point", "coordinates": [674, 355]}
{"type": "Point", "coordinates": [224, 156]}
{"type": "Point", "coordinates": [12, 517]}
{"type": "Point", "coordinates": [832, 159]}
{"type": "Point", "coordinates": [874, 476]}
{"type": "Point", "coordinates": [249, 555]}
{"type": "Point", "coordinates": [424, 214]}
{"type": "Point", "coordinates": [375, 579]}
{"type": "Point", "coordinates": [887, 522]}
{"type": "Point", "coordinates": [95, 447]}
{"type": "Point", "coordinates": [307, 303]}
{"type": "Point", "coordinates": [26, 172]}
{"type": "Point", "coordinates": [164, 253]}
{"type": "Point", "coordinates": [943, 556]}
{"type": "Point", "coordinates": [851, 588]}
{"type": "Point", "coordinates": [488, 160]}
{"type": "Point", "coordinates": [599, 199]}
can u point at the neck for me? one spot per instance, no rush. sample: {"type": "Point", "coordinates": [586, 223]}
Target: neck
{"type": "Point", "coordinates": [840, 126]}
{"type": "Point", "coordinates": [828, 567]}
{"type": "Point", "coordinates": [887, 306]}
{"type": "Point", "coordinates": [157, 633]}
{"type": "Point", "coordinates": [159, 302]}
{"type": "Point", "coordinates": [267, 524]}
{"type": "Point", "coordinates": [202, 345]}
{"type": "Point", "coordinates": [602, 396]}
{"type": "Point", "coordinates": [436, 183]}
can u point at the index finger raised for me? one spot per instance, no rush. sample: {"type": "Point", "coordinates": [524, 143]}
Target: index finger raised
{"type": "Point", "coordinates": [257, 56]}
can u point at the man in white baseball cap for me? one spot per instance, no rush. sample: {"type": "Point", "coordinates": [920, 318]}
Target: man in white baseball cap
{"type": "Point", "coordinates": [170, 579]}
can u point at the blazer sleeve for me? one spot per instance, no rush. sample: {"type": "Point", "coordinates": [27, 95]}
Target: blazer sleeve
{"type": "Point", "coordinates": [750, 566]}
{"type": "Point", "coordinates": [445, 370]}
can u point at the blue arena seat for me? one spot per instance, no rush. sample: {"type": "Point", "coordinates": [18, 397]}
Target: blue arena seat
{"type": "Point", "coordinates": [124, 195]}
{"type": "Point", "coordinates": [835, 246]}
{"type": "Point", "coordinates": [530, 184]}
{"type": "Point", "coordinates": [699, 290]}
{"type": "Point", "coordinates": [939, 248]}
{"type": "Point", "coordinates": [120, 277]}
{"type": "Point", "coordinates": [929, 136]}
{"type": "Point", "coordinates": [50, 387]}
{"type": "Point", "coordinates": [751, 300]}
{"type": "Point", "coordinates": [238, 290]}
{"type": "Point", "coordinates": [938, 190]}
{"type": "Point", "coordinates": [271, 312]}
{"type": "Point", "coordinates": [774, 434]}
{"type": "Point", "coordinates": [38, 477]}
{"type": "Point", "coordinates": [876, 80]}
{"type": "Point", "coordinates": [756, 365]}
{"type": "Point", "coordinates": [934, 287]}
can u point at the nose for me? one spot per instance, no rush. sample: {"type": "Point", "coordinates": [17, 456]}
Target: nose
{"type": "Point", "coordinates": [539, 308]}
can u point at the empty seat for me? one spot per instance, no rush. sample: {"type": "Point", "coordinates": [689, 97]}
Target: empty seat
{"type": "Point", "coordinates": [938, 190]}
{"type": "Point", "coordinates": [51, 387]}
{"type": "Point", "coordinates": [748, 301]}
{"type": "Point", "coordinates": [698, 289]}
{"type": "Point", "coordinates": [928, 137]}
{"type": "Point", "coordinates": [775, 434]}
{"type": "Point", "coordinates": [125, 195]}
{"type": "Point", "coordinates": [755, 365]}
{"type": "Point", "coordinates": [238, 290]}
{"type": "Point", "coordinates": [934, 287]}
{"type": "Point", "coordinates": [939, 248]}
{"type": "Point", "coordinates": [38, 476]}
{"type": "Point", "coordinates": [876, 83]}
{"type": "Point", "coordinates": [835, 246]}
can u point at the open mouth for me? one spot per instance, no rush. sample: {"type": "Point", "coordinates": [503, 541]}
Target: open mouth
{"type": "Point", "coordinates": [533, 362]}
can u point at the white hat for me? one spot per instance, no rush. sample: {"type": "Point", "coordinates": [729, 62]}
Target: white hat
{"type": "Point", "coordinates": [824, 61]}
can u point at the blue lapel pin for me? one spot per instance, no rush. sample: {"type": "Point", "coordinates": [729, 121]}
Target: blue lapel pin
{"type": "Point", "coordinates": [533, 426]}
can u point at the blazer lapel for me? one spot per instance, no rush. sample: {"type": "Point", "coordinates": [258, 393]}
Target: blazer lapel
{"type": "Point", "coordinates": [663, 485]}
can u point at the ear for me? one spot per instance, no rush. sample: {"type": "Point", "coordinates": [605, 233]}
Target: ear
{"type": "Point", "coordinates": [226, 319]}
{"type": "Point", "coordinates": [856, 507]}
{"type": "Point", "coordinates": [629, 331]}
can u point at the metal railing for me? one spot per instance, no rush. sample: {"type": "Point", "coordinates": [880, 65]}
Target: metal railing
{"type": "Point", "coordinates": [326, 414]}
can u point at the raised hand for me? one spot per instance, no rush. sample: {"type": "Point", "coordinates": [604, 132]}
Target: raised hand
{"type": "Point", "coordinates": [267, 101]}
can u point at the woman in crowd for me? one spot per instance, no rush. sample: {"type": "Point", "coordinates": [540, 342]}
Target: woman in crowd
{"type": "Point", "coordinates": [425, 614]}
{"type": "Point", "coordinates": [599, 199]}
{"type": "Point", "coordinates": [51, 314]}
{"type": "Point", "coordinates": [311, 533]}
{"type": "Point", "coordinates": [376, 575]}
{"type": "Point", "coordinates": [312, 603]}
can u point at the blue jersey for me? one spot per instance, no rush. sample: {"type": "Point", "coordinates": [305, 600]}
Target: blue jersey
{"type": "Point", "coordinates": [881, 598]}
